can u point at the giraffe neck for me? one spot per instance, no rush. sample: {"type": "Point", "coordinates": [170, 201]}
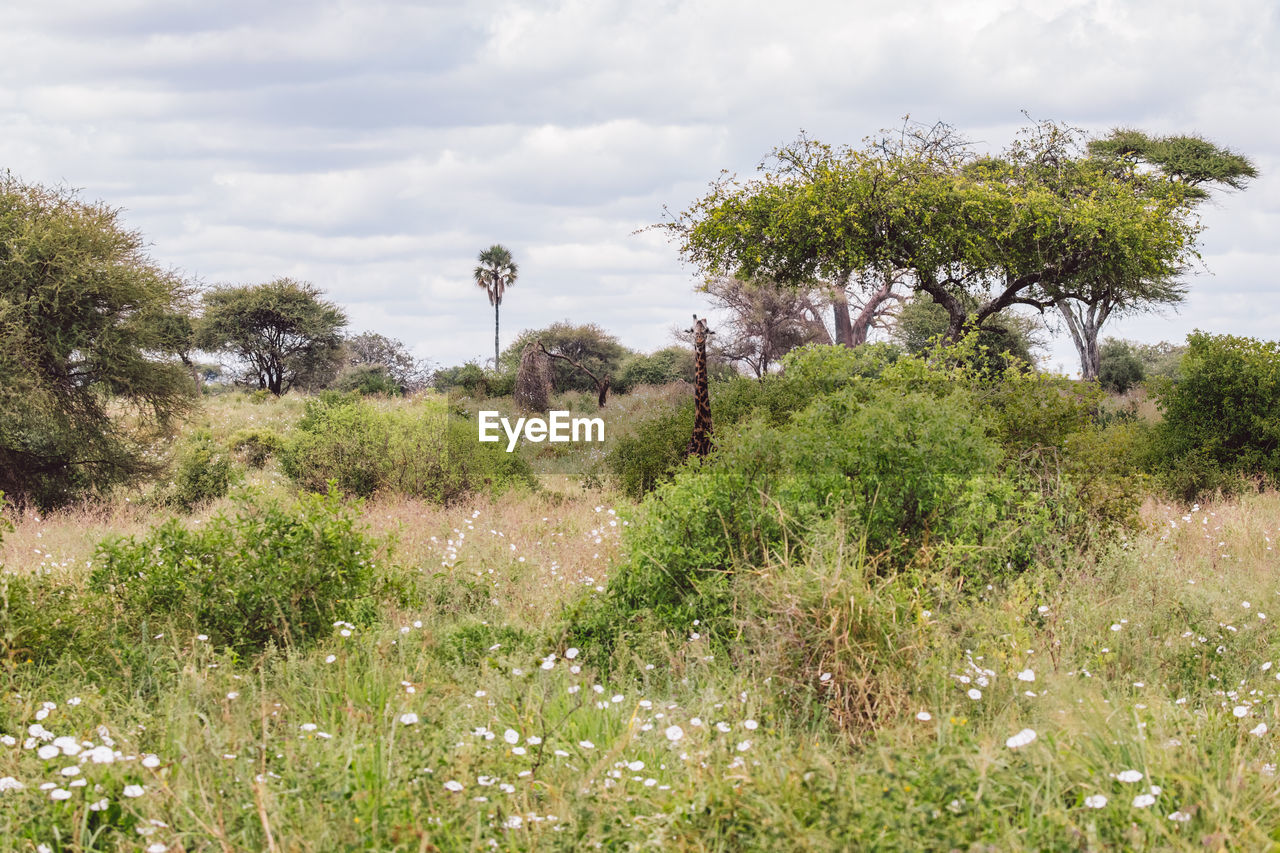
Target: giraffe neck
{"type": "Point", "coordinates": [700, 443]}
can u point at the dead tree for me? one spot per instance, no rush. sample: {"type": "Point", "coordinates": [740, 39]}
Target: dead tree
{"type": "Point", "coordinates": [533, 380]}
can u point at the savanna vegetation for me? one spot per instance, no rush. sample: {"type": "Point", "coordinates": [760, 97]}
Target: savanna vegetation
{"type": "Point", "coordinates": [921, 594]}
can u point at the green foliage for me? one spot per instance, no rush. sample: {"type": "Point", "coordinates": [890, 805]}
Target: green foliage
{"type": "Point", "coordinates": [282, 330]}
{"type": "Point", "coordinates": [89, 376]}
{"type": "Point", "coordinates": [368, 379]}
{"type": "Point", "coordinates": [900, 470]}
{"type": "Point", "coordinates": [271, 575]}
{"type": "Point", "coordinates": [40, 621]}
{"type": "Point", "coordinates": [422, 451]}
{"type": "Point", "coordinates": [255, 445]}
{"type": "Point", "coordinates": [647, 457]}
{"type": "Point", "coordinates": [928, 466]}
{"type": "Point", "coordinates": [817, 368]}
{"type": "Point", "coordinates": [1026, 226]}
{"type": "Point", "coordinates": [203, 472]}
{"type": "Point", "coordinates": [671, 364]}
{"type": "Point", "coordinates": [1120, 368]}
{"type": "Point", "coordinates": [1002, 340]}
{"type": "Point", "coordinates": [469, 377]}
{"type": "Point", "coordinates": [589, 345]}
{"type": "Point", "coordinates": [1221, 418]}
{"type": "Point", "coordinates": [1162, 360]}
{"type": "Point", "coordinates": [650, 454]}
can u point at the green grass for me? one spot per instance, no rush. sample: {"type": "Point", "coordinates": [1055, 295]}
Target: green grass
{"type": "Point", "coordinates": [1145, 658]}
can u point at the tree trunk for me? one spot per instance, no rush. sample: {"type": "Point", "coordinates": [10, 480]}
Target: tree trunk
{"type": "Point", "coordinates": [840, 306]}
{"type": "Point", "coordinates": [495, 335]}
{"type": "Point", "coordinates": [1084, 324]}
{"type": "Point", "coordinates": [867, 316]}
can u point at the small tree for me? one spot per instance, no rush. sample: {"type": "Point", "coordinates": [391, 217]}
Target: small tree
{"type": "Point", "coordinates": [373, 349]}
{"type": "Point", "coordinates": [1119, 367]}
{"type": "Point", "coordinates": [88, 377]}
{"type": "Point", "coordinates": [282, 330]}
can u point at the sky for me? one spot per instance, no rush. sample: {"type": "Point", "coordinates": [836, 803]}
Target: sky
{"type": "Point", "coordinates": [374, 148]}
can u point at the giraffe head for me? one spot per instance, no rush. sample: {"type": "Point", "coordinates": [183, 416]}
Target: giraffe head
{"type": "Point", "coordinates": [699, 331]}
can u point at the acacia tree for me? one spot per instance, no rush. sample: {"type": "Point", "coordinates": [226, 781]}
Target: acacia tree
{"type": "Point", "coordinates": [978, 235]}
{"type": "Point", "coordinates": [88, 373]}
{"type": "Point", "coordinates": [583, 356]}
{"type": "Point", "coordinates": [1191, 164]}
{"type": "Point", "coordinates": [494, 274]}
{"type": "Point", "coordinates": [282, 330]}
{"type": "Point", "coordinates": [816, 217]}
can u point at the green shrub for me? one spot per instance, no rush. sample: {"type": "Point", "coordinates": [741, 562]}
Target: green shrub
{"type": "Point", "coordinates": [500, 384]}
{"type": "Point", "coordinates": [421, 451]}
{"type": "Point", "coordinates": [40, 620]}
{"type": "Point", "coordinates": [904, 472]}
{"type": "Point", "coordinates": [1222, 418]}
{"type": "Point", "coordinates": [648, 457]}
{"type": "Point", "coordinates": [271, 575]}
{"type": "Point", "coordinates": [255, 445]}
{"type": "Point", "coordinates": [368, 379]}
{"type": "Point", "coordinates": [821, 368]}
{"type": "Point", "coordinates": [203, 473]}
{"type": "Point", "coordinates": [929, 465]}
{"type": "Point", "coordinates": [469, 378]}
{"type": "Point", "coordinates": [1119, 367]}
{"type": "Point", "coordinates": [666, 365]}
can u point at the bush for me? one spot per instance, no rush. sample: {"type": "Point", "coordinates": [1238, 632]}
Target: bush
{"type": "Point", "coordinates": [203, 473]}
{"type": "Point", "coordinates": [666, 365]}
{"type": "Point", "coordinates": [469, 377]}
{"type": "Point", "coordinates": [1222, 418]}
{"type": "Point", "coordinates": [650, 456]}
{"type": "Point", "coordinates": [255, 445]}
{"type": "Point", "coordinates": [368, 379]}
{"type": "Point", "coordinates": [41, 621]}
{"type": "Point", "coordinates": [271, 575]}
{"type": "Point", "coordinates": [904, 472]}
{"type": "Point", "coordinates": [1119, 367]}
{"type": "Point", "coordinates": [421, 451]}
{"type": "Point", "coordinates": [932, 466]}
{"type": "Point", "coordinates": [640, 462]}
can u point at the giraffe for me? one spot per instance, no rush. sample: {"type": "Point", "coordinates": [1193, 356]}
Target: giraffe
{"type": "Point", "coordinates": [700, 443]}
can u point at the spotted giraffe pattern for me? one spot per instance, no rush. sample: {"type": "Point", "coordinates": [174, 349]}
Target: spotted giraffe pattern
{"type": "Point", "coordinates": [700, 443]}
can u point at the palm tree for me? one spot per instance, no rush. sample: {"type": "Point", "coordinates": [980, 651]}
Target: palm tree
{"type": "Point", "coordinates": [494, 274]}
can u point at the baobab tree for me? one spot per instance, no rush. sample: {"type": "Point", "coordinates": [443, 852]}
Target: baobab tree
{"type": "Point", "coordinates": [494, 274]}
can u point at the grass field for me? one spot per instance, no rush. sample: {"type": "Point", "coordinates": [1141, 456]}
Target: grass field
{"type": "Point", "coordinates": [1126, 701]}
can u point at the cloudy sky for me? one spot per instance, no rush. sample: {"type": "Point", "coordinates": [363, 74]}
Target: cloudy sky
{"type": "Point", "coordinates": [375, 147]}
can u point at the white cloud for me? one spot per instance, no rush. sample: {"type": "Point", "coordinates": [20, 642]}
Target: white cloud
{"type": "Point", "coordinates": [375, 148]}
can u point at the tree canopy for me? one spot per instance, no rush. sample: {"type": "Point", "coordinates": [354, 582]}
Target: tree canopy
{"type": "Point", "coordinates": [922, 209]}
{"type": "Point", "coordinates": [282, 330]}
{"type": "Point", "coordinates": [88, 373]}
